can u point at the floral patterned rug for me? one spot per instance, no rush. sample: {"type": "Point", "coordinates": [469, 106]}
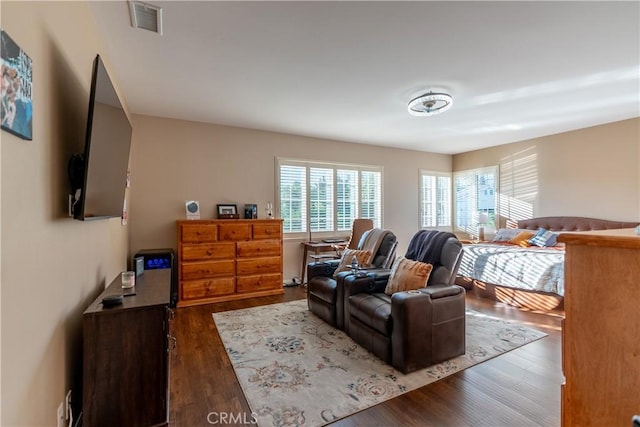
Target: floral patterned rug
{"type": "Point", "coordinates": [296, 370]}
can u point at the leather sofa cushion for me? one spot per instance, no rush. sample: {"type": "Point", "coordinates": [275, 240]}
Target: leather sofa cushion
{"type": "Point", "coordinates": [383, 252]}
{"type": "Point", "coordinates": [373, 310]}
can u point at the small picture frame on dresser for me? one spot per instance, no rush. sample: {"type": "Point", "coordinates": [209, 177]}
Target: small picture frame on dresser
{"type": "Point", "coordinates": [250, 211]}
{"type": "Point", "coordinates": [227, 211]}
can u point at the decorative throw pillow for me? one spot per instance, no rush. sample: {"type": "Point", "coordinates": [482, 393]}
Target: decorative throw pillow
{"type": "Point", "coordinates": [407, 275]}
{"type": "Point", "coordinates": [363, 257]}
{"type": "Point", "coordinates": [522, 239]}
{"type": "Point", "coordinates": [506, 234]}
{"type": "Point", "coordinates": [544, 238]}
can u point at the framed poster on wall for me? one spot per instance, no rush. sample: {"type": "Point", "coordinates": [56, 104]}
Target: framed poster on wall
{"type": "Point", "coordinates": [16, 110]}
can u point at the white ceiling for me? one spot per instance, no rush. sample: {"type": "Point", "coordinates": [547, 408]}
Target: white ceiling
{"type": "Point", "coordinates": [346, 70]}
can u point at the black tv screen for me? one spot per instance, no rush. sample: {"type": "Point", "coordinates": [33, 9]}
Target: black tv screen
{"type": "Point", "coordinates": [99, 175]}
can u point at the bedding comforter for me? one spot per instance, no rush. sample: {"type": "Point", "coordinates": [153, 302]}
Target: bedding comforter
{"type": "Point", "coordinates": [531, 268]}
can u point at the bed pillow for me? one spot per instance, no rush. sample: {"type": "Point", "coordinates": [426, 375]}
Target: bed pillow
{"type": "Point", "coordinates": [506, 234]}
{"type": "Point", "coordinates": [544, 238]}
{"type": "Point", "coordinates": [407, 275]}
{"type": "Point", "coordinates": [522, 239]}
{"type": "Point", "coordinates": [363, 257]}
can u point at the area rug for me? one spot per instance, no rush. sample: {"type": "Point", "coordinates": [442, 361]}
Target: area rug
{"type": "Point", "coordinates": [295, 369]}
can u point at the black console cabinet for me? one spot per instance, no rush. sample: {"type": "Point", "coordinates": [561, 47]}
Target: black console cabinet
{"type": "Point", "coordinates": [126, 357]}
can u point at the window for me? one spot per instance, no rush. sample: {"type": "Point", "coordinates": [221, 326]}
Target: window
{"type": "Point", "coordinates": [476, 193]}
{"type": "Point", "coordinates": [321, 198]}
{"type": "Point", "coordinates": [435, 200]}
{"type": "Point", "coordinates": [327, 197]}
{"type": "Point", "coordinates": [293, 196]}
{"type": "Point", "coordinates": [347, 198]}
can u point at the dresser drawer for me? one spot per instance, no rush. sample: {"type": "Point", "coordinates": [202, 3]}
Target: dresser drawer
{"type": "Point", "coordinates": [198, 233]}
{"type": "Point", "coordinates": [251, 266]}
{"type": "Point", "coordinates": [234, 232]}
{"type": "Point", "coordinates": [267, 230]}
{"type": "Point", "coordinates": [262, 282]}
{"type": "Point", "coordinates": [261, 248]}
{"type": "Point", "coordinates": [206, 251]}
{"type": "Point", "coordinates": [193, 289]}
{"type": "Point", "coordinates": [200, 270]}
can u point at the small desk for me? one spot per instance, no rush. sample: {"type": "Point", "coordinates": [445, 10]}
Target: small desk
{"type": "Point", "coordinates": [315, 248]}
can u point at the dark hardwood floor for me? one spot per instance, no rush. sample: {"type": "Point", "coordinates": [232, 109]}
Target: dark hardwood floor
{"type": "Point", "coordinates": [519, 388]}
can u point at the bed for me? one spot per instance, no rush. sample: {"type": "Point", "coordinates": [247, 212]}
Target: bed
{"type": "Point", "coordinates": [524, 275]}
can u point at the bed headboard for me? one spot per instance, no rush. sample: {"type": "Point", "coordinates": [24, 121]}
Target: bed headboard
{"type": "Point", "coordinates": [572, 223]}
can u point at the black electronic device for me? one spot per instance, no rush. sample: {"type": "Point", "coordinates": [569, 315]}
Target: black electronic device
{"type": "Point", "coordinates": [155, 259]}
{"type": "Point", "coordinates": [98, 176]}
{"type": "Point", "coordinates": [111, 300]}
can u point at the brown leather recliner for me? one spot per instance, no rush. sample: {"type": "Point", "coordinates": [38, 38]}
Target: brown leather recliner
{"type": "Point", "coordinates": [324, 292]}
{"type": "Point", "coordinates": [413, 329]}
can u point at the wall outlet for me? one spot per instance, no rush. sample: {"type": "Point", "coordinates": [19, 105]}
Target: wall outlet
{"type": "Point", "coordinates": [67, 406]}
{"type": "Point", "coordinates": [60, 415]}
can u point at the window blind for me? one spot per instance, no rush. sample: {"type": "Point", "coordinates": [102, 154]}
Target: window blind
{"type": "Point", "coordinates": [347, 198]}
{"type": "Point", "coordinates": [293, 198]}
{"type": "Point", "coordinates": [321, 199]}
{"type": "Point", "coordinates": [475, 192]}
{"type": "Point", "coordinates": [327, 197]}
{"type": "Point", "coordinates": [435, 200]}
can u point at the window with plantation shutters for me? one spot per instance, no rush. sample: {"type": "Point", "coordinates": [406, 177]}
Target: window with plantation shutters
{"type": "Point", "coordinates": [321, 199]}
{"type": "Point", "coordinates": [347, 198]}
{"type": "Point", "coordinates": [327, 197]}
{"type": "Point", "coordinates": [370, 199]}
{"type": "Point", "coordinates": [475, 193]}
{"type": "Point", "coordinates": [435, 200]}
{"type": "Point", "coordinates": [293, 197]}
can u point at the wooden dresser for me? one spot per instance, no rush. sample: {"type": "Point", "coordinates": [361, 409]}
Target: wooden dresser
{"type": "Point", "coordinates": [601, 329]}
{"type": "Point", "coordinates": [226, 259]}
{"type": "Point", "coordinates": [126, 355]}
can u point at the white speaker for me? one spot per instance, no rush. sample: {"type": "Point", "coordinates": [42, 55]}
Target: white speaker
{"type": "Point", "coordinates": [192, 208]}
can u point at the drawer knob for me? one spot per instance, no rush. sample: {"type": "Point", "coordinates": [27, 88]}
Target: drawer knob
{"type": "Point", "coordinates": [173, 343]}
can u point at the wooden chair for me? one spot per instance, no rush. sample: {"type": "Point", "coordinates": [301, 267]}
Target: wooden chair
{"type": "Point", "coordinates": [359, 227]}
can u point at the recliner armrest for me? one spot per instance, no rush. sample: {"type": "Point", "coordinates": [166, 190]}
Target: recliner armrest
{"type": "Point", "coordinates": [441, 291]}
{"type": "Point", "coordinates": [419, 299]}
{"type": "Point", "coordinates": [371, 281]}
{"type": "Point", "coordinates": [324, 269]}
{"type": "Point", "coordinates": [377, 274]}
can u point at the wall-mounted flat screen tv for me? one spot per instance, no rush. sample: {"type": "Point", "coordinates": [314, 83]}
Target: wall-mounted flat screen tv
{"type": "Point", "coordinates": [99, 175]}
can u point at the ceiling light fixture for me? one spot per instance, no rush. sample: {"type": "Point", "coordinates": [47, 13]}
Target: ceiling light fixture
{"type": "Point", "coordinates": [430, 104]}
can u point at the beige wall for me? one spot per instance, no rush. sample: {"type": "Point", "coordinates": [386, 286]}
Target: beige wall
{"type": "Point", "coordinates": [173, 161]}
{"type": "Point", "coordinates": [593, 172]}
{"type": "Point", "coordinates": [52, 266]}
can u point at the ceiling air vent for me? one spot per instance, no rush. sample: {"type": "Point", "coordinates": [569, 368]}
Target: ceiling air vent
{"type": "Point", "coordinates": [146, 16]}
